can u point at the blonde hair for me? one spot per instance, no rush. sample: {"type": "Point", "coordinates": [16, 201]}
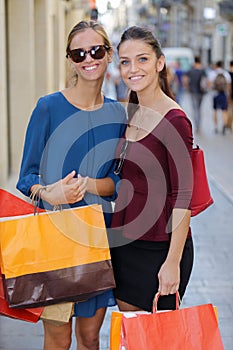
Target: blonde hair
{"type": "Point", "coordinates": [81, 27]}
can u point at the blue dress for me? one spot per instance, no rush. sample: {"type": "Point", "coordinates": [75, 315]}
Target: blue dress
{"type": "Point", "coordinates": [61, 138]}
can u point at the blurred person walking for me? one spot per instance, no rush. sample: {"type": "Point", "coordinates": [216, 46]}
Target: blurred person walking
{"type": "Point", "coordinates": [197, 86]}
{"type": "Point", "coordinates": [68, 160]}
{"type": "Point", "coordinates": [122, 90]}
{"type": "Point", "coordinates": [171, 79]}
{"type": "Point", "coordinates": [109, 84]}
{"type": "Point", "coordinates": [179, 82]}
{"type": "Point", "coordinates": [230, 111]}
{"type": "Point", "coordinates": [220, 82]}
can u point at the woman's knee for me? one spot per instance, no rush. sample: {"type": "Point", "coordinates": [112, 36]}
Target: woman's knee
{"type": "Point", "coordinates": [87, 330]}
{"type": "Point", "coordinates": [87, 336]}
{"type": "Point", "coordinates": [57, 337]}
{"type": "Point", "coordinates": [89, 341]}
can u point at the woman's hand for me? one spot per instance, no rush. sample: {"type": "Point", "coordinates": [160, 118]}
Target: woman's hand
{"type": "Point", "coordinates": [169, 278]}
{"type": "Point", "coordinates": [169, 274]}
{"type": "Point", "coordinates": [72, 189]}
{"type": "Point", "coordinates": [68, 190]}
{"type": "Point", "coordinates": [83, 186]}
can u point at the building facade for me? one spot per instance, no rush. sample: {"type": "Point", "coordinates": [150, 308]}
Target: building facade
{"type": "Point", "coordinates": [206, 26]}
{"type": "Point", "coordinates": [32, 63]}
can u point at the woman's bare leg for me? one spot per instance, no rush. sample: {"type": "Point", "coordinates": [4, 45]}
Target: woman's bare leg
{"type": "Point", "coordinates": [87, 330]}
{"type": "Point", "coordinates": [57, 337]}
{"type": "Point", "coordinates": [123, 306]}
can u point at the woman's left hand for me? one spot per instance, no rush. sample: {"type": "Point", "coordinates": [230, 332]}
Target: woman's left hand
{"type": "Point", "coordinates": [169, 278]}
{"type": "Point", "coordinates": [82, 186]}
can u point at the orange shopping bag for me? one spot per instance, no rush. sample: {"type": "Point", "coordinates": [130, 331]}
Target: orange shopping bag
{"type": "Point", "coordinates": [55, 257]}
{"type": "Point", "coordinates": [115, 330]}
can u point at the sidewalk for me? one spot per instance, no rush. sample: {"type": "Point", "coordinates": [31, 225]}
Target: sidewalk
{"type": "Point", "coordinates": [212, 277]}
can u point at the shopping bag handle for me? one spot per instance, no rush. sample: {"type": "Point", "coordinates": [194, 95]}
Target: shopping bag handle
{"type": "Point", "coordinates": [156, 299]}
{"type": "Point", "coordinates": [36, 198]}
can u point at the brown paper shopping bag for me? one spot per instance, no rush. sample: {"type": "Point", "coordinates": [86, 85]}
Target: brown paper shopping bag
{"type": "Point", "coordinates": [55, 257]}
{"type": "Point", "coordinates": [58, 314]}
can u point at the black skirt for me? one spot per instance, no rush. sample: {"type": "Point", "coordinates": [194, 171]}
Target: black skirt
{"type": "Point", "coordinates": [136, 266]}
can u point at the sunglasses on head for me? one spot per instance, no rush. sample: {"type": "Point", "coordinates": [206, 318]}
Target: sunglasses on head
{"type": "Point", "coordinates": [96, 52]}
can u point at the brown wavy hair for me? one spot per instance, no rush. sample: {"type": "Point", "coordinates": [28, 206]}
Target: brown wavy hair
{"type": "Point", "coordinates": [145, 35]}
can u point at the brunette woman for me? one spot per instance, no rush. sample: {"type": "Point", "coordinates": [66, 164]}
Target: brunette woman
{"type": "Point", "coordinates": [153, 248]}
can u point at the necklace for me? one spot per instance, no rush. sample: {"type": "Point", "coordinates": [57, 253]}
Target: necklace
{"type": "Point", "coordinates": [138, 120]}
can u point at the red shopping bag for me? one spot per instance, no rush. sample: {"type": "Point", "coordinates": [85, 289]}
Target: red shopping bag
{"type": "Point", "coordinates": [11, 205]}
{"type": "Point", "coordinates": [201, 196]}
{"type": "Point", "coordinates": [29, 315]}
{"type": "Point", "coordinates": [189, 328]}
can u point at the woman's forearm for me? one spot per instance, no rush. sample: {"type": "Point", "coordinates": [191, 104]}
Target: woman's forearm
{"type": "Point", "coordinates": [180, 227]}
{"type": "Point", "coordinates": [71, 190]}
{"type": "Point", "coordinates": [101, 187]}
{"type": "Point", "coordinates": [169, 274]}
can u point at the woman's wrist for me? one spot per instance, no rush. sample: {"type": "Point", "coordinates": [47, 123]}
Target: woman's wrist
{"type": "Point", "coordinates": [100, 187]}
{"type": "Point", "coordinates": [37, 192]}
{"type": "Point", "coordinates": [89, 184]}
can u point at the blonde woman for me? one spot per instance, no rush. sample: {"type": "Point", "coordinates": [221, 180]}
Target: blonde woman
{"type": "Point", "coordinates": [69, 152]}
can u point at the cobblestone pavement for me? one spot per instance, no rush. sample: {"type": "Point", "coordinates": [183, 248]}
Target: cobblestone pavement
{"type": "Point", "coordinates": [212, 276]}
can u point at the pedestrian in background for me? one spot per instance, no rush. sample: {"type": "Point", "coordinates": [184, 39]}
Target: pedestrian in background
{"type": "Point", "coordinates": [122, 90]}
{"type": "Point", "coordinates": [220, 82]}
{"type": "Point", "coordinates": [109, 84]}
{"type": "Point", "coordinates": [153, 248]}
{"type": "Point", "coordinates": [69, 159]}
{"type": "Point", "coordinates": [197, 86]}
{"type": "Point", "coordinates": [171, 78]}
{"type": "Point", "coordinates": [230, 114]}
{"type": "Point", "coordinates": [179, 83]}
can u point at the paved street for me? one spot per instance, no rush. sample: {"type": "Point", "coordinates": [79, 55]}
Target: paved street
{"type": "Point", "coordinates": [212, 277]}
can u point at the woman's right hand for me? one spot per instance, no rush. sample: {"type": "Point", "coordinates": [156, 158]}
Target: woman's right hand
{"type": "Point", "coordinates": [64, 191]}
